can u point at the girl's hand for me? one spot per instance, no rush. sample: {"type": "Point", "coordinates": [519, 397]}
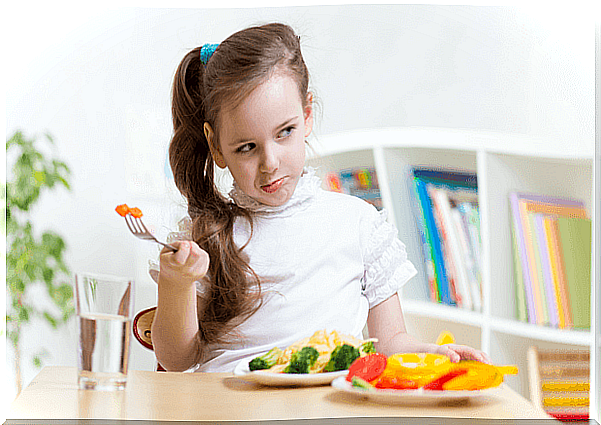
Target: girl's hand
{"type": "Point", "coordinates": [185, 266]}
{"type": "Point", "coordinates": [462, 352]}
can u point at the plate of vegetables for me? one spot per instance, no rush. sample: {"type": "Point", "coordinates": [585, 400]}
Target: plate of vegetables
{"type": "Point", "coordinates": [419, 377]}
{"type": "Point", "coordinates": [316, 360]}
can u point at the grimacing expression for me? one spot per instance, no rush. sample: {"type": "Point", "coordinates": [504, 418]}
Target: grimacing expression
{"type": "Point", "coordinates": [262, 140]}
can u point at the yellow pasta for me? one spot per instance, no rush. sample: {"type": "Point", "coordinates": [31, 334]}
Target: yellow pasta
{"type": "Point", "coordinates": [323, 342]}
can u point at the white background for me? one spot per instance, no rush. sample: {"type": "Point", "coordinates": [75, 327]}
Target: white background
{"type": "Point", "coordinates": [99, 81]}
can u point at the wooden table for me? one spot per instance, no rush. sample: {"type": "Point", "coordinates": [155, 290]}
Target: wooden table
{"type": "Point", "coordinates": [210, 397]}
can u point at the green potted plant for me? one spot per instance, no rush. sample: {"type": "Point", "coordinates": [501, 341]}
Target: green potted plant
{"type": "Point", "coordinates": [32, 259]}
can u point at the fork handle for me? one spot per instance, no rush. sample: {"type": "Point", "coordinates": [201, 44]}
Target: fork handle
{"type": "Point", "coordinates": [166, 245]}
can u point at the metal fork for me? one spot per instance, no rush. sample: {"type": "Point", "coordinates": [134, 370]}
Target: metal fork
{"type": "Point", "coordinates": [137, 227]}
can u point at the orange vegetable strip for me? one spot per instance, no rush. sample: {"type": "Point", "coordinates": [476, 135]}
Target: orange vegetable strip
{"type": "Point", "coordinates": [122, 210]}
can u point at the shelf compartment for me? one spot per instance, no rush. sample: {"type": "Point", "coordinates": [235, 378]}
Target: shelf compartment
{"type": "Point", "coordinates": [398, 163]}
{"type": "Point", "coordinates": [502, 174]}
{"type": "Point", "coordinates": [362, 158]}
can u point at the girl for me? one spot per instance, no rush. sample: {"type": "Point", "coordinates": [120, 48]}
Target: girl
{"type": "Point", "coordinates": [281, 258]}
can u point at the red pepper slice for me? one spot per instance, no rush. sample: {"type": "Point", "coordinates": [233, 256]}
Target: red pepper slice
{"type": "Point", "coordinates": [368, 367]}
{"type": "Point", "coordinates": [437, 383]}
{"type": "Point", "coordinates": [122, 210]}
{"type": "Point", "coordinates": [396, 383]}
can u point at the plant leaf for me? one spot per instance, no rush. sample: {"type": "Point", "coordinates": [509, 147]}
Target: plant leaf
{"type": "Point", "coordinates": [51, 319]}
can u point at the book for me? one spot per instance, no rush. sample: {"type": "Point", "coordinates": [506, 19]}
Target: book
{"type": "Point", "coordinates": [456, 267]}
{"type": "Point", "coordinates": [575, 238]}
{"type": "Point", "coordinates": [525, 267]}
{"type": "Point", "coordinates": [544, 268]}
{"type": "Point", "coordinates": [558, 263]}
{"type": "Point", "coordinates": [520, 292]}
{"type": "Point", "coordinates": [472, 218]}
{"type": "Point", "coordinates": [541, 313]}
{"type": "Point", "coordinates": [426, 244]}
{"type": "Point", "coordinates": [542, 261]}
{"type": "Point", "coordinates": [552, 255]}
{"type": "Point", "coordinates": [441, 271]}
{"type": "Point", "coordinates": [467, 257]}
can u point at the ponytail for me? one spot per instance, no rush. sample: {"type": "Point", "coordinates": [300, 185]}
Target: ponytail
{"type": "Point", "coordinates": [234, 292]}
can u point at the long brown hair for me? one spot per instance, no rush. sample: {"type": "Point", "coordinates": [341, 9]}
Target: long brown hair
{"type": "Point", "coordinates": [200, 92]}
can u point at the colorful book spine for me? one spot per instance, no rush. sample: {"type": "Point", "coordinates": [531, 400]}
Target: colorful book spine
{"type": "Point", "coordinates": [525, 268]}
{"type": "Point", "coordinates": [426, 244]}
{"type": "Point", "coordinates": [560, 276]}
{"type": "Point", "coordinates": [472, 217]}
{"type": "Point", "coordinates": [554, 271]}
{"type": "Point", "coordinates": [520, 291]}
{"type": "Point", "coordinates": [530, 256]}
{"type": "Point", "coordinates": [545, 269]}
{"type": "Point", "coordinates": [575, 237]}
{"type": "Point", "coordinates": [467, 258]}
{"type": "Point", "coordinates": [443, 284]}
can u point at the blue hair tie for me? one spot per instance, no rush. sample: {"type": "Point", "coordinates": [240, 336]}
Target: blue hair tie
{"type": "Point", "coordinates": [206, 52]}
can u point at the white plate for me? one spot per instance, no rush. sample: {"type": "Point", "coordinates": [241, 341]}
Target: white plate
{"type": "Point", "coordinates": [409, 396]}
{"type": "Point", "coordinates": [286, 379]}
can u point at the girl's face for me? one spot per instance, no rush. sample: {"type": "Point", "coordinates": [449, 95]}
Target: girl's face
{"type": "Point", "coordinates": [262, 140]}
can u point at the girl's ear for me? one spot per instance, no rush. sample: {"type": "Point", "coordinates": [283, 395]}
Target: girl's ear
{"type": "Point", "coordinates": [308, 112]}
{"type": "Point", "coordinates": [215, 153]}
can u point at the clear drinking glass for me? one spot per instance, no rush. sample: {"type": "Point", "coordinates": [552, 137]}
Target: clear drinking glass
{"type": "Point", "coordinates": [104, 306]}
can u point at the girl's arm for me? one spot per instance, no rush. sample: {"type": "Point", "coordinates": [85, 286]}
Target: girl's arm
{"type": "Point", "coordinates": [175, 325]}
{"type": "Point", "coordinates": [386, 323]}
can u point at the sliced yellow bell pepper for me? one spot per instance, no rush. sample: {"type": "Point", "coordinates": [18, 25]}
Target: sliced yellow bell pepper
{"type": "Point", "coordinates": [479, 376]}
{"type": "Point", "coordinates": [424, 368]}
{"type": "Point", "coordinates": [445, 337]}
{"type": "Point", "coordinates": [421, 368]}
{"type": "Point", "coordinates": [508, 370]}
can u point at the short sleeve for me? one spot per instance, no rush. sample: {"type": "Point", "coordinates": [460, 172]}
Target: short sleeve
{"type": "Point", "coordinates": [184, 233]}
{"type": "Point", "coordinates": [387, 267]}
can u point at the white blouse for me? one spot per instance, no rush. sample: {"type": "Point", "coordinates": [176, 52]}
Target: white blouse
{"type": "Point", "coordinates": [324, 258]}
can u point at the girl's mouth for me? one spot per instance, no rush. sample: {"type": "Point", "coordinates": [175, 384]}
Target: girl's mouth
{"type": "Point", "coordinates": [273, 187]}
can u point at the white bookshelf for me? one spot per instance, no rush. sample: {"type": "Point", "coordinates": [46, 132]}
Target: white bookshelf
{"type": "Point", "coordinates": [503, 163]}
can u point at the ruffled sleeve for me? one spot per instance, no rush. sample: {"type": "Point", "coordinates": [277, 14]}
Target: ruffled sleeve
{"type": "Point", "coordinates": [387, 268]}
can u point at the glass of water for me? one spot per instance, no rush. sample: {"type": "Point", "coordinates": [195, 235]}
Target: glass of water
{"type": "Point", "coordinates": [104, 306]}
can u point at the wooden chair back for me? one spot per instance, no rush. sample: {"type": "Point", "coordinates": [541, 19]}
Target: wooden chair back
{"type": "Point", "coordinates": [142, 330]}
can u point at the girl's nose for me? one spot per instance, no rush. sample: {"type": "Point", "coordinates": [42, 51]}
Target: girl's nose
{"type": "Point", "coordinates": [269, 160]}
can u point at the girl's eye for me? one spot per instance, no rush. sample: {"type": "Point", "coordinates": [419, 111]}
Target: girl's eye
{"type": "Point", "coordinates": [286, 132]}
{"type": "Point", "coordinates": [245, 148]}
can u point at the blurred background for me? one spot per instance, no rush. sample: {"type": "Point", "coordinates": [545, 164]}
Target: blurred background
{"type": "Point", "coordinates": [99, 81]}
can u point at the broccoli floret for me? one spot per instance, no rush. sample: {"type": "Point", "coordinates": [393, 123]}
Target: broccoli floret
{"type": "Point", "coordinates": [341, 358]}
{"type": "Point", "coordinates": [366, 348]}
{"type": "Point", "coordinates": [302, 360]}
{"type": "Point", "coordinates": [265, 361]}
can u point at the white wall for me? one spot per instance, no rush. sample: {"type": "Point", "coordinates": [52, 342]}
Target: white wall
{"type": "Point", "coordinates": [102, 90]}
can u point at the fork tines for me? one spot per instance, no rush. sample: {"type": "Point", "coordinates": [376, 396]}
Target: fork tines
{"type": "Point", "coordinates": [137, 227]}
